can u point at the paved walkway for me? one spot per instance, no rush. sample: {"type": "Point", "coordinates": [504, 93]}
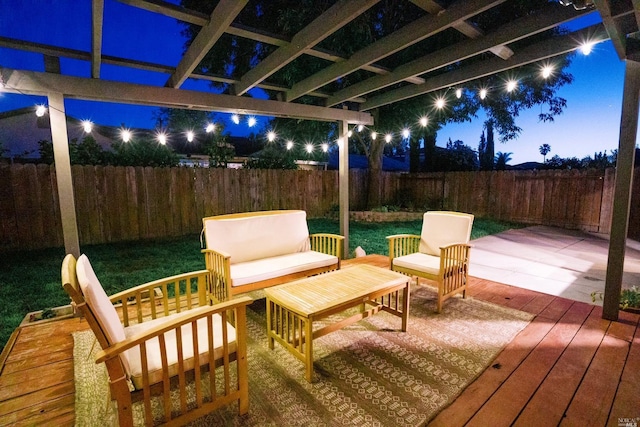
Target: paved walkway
{"type": "Point", "coordinates": [566, 263]}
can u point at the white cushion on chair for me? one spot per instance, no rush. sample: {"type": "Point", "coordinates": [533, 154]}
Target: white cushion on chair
{"type": "Point", "coordinates": [264, 235]}
{"type": "Point", "coordinates": [269, 268]}
{"type": "Point", "coordinates": [429, 264]}
{"type": "Point", "coordinates": [443, 228]}
{"type": "Point", "coordinates": [99, 302]}
{"type": "Point", "coordinates": [153, 348]}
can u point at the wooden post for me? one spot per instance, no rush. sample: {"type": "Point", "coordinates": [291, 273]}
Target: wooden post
{"type": "Point", "coordinates": [343, 177]}
{"type": "Point", "coordinates": [64, 180]}
{"type": "Point", "coordinates": [622, 190]}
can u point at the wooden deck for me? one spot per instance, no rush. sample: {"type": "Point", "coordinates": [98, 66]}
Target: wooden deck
{"type": "Point", "coordinates": [567, 367]}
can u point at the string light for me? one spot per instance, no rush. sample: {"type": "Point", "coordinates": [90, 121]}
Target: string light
{"type": "Point", "coordinates": [235, 119]}
{"type": "Point", "coordinates": [511, 85]}
{"type": "Point", "coordinates": [325, 147]}
{"type": "Point", "coordinates": [374, 135]}
{"type": "Point", "coordinates": [289, 145]}
{"type": "Point", "coordinates": [424, 121]}
{"type": "Point", "coordinates": [440, 102]}
{"type": "Point", "coordinates": [587, 47]}
{"type": "Point", "coordinates": [546, 71]}
{"type": "Point", "coordinates": [458, 93]}
{"type": "Point", "coordinates": [210, 128]}
{"type": "Point", "coordinates": [349, 134]}
{"type": "Point", "coordinates": [387, 138]}
{"type": "Point", "coordinates": [309, 148]}
{"type": "Point", "coordinates": [483, 93]}
{"type": "Point", "coordinates": [405, 133]}
{"type": "Point", "coordinates": [87, 126]}
{"type": "Point", "coordinates": [125, 134]}
{"type": "Point", "coordinates": [40, 110]}
{"type": "Point", "coordinates": [251, 122]}
{"type": "Point", "coordinates": [190, 136]}
{"type": "Point", "coordinates": [162, 138]}
{"type": "Point", "coordinates": [359, 128]}
{"type": "Point", "coordinates": [271, 136]}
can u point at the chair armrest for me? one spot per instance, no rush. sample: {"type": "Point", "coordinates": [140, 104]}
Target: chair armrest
{"type": "Point", "coordinates": [403, 244]}
{"type": "Point", "coordinates": [173, 322]}
{"type": "Point", "coordinates": [163, 296]}
{"type": "Point", "coordinates": [218, 263]}
{"type": "Point", "coordinates": [330, 244]}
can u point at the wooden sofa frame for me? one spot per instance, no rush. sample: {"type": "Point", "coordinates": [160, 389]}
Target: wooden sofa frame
{"type": "Point", "coordinates": [218, 263]}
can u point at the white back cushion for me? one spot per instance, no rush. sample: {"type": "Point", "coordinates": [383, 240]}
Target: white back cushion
{"type": "Point", "coordinates": [443, 228]}
{"type": "Point", "coordinates": [263, 235]}
{"type": "Point", "coordinates": [99, 302]}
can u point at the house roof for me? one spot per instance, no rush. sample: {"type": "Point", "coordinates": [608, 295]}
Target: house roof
{"type": "Point", "coordinates": [21, 130]}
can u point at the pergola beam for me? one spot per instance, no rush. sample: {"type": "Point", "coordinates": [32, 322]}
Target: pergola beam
{"type": "Point", "coordinates": [408, 35]}
{"type": "Point", "coordinates": [541, 50]}
{"type": "Point", "coordinates": [622, 190]}
{"type": "Point", "coordinates": [221, 17]}
{"type": "Point", "coordinates": [97, 17]}
{"type": "Point", "coordinates": [465, 27]}
{"type": "Point", "coordinates": [197, 18]}
{"type": "Point", "coordinates": [617, 38]}
{"type": "Point", "coordinates": [55, 51]}
{"type": "Point", "coordinates": [320, 28]}
{"type": "Point", "coordinates": [38, 83]}
{"type": "Point", "coordinates": [550, 17]}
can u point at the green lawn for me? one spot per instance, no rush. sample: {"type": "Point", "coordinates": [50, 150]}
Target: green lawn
{"type": "Point", "coordinates": [31, 280]}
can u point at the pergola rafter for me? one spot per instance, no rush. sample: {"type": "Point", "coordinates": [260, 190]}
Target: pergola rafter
{"type": "Point", "coordinates": [413, 33]}
{"type": "Point", "coordinates": [508, 33]}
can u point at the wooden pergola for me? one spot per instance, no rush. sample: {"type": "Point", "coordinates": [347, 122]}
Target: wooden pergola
{"type": "Point", "coordinates": [493, 50]}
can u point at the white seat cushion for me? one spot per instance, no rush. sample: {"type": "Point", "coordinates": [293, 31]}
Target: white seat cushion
{"type": "Point", "coordinates": [153, 348]}
{"type": "Point", "coordinates": [268, 268]}
{"type": "Point", "coordinates": [418, 261]}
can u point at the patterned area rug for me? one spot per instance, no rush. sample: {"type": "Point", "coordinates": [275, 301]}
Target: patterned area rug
{"type": "Point", "coordinates": [369, 374]}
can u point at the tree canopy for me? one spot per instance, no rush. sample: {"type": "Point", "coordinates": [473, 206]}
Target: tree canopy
{"type": "Point", "coordinates": [233, 56]}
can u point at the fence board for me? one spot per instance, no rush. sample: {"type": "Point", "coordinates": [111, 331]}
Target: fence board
{"type": "Point", "coordinates": [8, 224]}
{"type": "Point", "coordinates": [117, 203]}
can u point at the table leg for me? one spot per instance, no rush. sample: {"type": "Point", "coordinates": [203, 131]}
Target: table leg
{"type": "Point", "coordinates": [269, 325]}
{"type": "Point", "coordinates": [308, 349]}
{"type": "Point", "coordinates": [405, 307]}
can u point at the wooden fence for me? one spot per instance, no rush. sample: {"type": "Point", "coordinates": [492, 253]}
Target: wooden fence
{"type": "Point", "coordinates": [130, 203]}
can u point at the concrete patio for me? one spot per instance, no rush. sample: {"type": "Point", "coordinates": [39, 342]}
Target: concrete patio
{"type": "Point", "coordinates": [565, 263]}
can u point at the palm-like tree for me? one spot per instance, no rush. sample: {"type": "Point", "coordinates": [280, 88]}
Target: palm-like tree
{"type": "Point", "coordinates": [501, 160]}
{"type": "Point", "coordinates": [544, 150]}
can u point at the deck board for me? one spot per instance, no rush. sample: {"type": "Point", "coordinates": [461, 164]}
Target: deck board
{"type": "Point", "coordinates": [548, 374]}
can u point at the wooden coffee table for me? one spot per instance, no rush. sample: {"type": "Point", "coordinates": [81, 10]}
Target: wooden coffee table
{"type": "Point", "coordinates": [293, 308]}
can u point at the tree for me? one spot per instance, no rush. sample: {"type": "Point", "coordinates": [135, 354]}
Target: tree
{"type": "Point", "coordinates": [544, 150]}
{"type": "Point", "coordinates": [501, 160]}
{"type": "Point", "coordinates": [457, 157]}
{"type": "Point", "coordinates": [233, 56]}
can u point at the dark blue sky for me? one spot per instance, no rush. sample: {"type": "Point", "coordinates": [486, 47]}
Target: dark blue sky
{"type": "Point", "coordinates": [590, 122]}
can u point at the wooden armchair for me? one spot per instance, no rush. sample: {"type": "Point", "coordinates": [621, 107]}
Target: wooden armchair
{"type": "Point", "coordinates": [149, 339]}
{"type": "Point", "coordinates": [440, 253]}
